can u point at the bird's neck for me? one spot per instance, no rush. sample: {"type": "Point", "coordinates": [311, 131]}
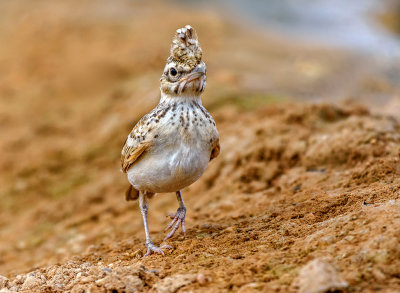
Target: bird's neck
{"type": "Point", "coordinates": [170, 98]}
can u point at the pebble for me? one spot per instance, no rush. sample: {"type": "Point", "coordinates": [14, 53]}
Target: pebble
{"type": "Point", "coordinates": [173, 283]}
{"type": "Point", "coordinates": [100, 282]}
{"type": "Point", "coordinates": [85, 265]}
{"type": "Point", "coordinates": [19, 279]}
{"type": "Point", "coordinates": [377, 273]}
{"type": "Point", "coordinates": [201, 279]}
{"type": "Point", "coordinates": [229, 230]}
{"type": "Point", "coordinates": [349, 238]}
{"type": "Point", "coordinates": [328, 239]}
{"type": "Point", "coordinates": [138, 253]}
{"type": "Point", "coordinates": [3, 282]}
{"type": "Point", "coordinates": [31, 282]}
{"type": "Point", "coordinates": [86, 279]}
{"type": "Point", "coordinates": [318, 276]}
{"type": "Point", "coordinates": [107, 270]}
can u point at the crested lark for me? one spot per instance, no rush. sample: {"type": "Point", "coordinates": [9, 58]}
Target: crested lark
{"type": "Point", "coordinates": [170, 147]}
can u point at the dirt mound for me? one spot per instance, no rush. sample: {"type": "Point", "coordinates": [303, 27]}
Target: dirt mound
{"type": "Point", "coordinates": [293, 183]}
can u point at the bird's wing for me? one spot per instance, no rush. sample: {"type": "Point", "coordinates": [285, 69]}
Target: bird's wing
{"type": "Point", "coordinates": [215, 151]}
{"type": "Point", "coordinates": [130, 154]}
{"type": "Point", "coordinates": [138, 142]}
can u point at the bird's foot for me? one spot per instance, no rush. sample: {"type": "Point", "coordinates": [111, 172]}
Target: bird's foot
{"type": "Point", "coordinates": [177, 219]}
{"type": "Point", "coordinates": [151, 248]}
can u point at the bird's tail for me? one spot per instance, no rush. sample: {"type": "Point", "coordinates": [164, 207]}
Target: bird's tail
{"type": "Point", "coordinates": [131, 193]}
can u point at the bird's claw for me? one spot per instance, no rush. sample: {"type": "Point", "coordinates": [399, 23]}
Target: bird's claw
{"type": "Point", "coordinates": [151, 248]}
{"type": "Point", "coordinates": [177, 219]}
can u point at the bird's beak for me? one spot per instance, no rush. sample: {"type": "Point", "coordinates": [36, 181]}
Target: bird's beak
{"type": "Point", "coordinates": [189, 78]}
{"type": "Point", "coordinates": [192, 76]}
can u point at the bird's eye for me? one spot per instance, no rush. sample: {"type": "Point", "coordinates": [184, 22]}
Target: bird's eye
{"type": "Point", "coordinates": [173, 71]}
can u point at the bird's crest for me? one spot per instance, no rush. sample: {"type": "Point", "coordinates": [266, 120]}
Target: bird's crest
{"type": "Point", "coordinates": [185, 47]}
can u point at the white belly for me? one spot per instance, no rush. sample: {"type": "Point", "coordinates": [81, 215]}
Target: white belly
{"type": "Point", "coordinates": [169, 169]}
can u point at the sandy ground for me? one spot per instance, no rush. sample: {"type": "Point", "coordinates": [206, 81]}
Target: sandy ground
{"type": "Point", "coordinates": [297, 185]}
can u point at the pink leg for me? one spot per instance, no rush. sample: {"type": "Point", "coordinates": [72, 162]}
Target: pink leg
{"type": "Point", "coordinates": [178, 218]}
{"type": "Point", "coordinates": [151, 248]}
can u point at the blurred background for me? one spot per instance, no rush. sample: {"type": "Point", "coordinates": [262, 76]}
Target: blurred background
{"type": "Point", "coordinates": [76, 75]}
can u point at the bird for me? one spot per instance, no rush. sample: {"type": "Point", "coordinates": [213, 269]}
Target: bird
{"type": "Point", "coordinates": [171, 146]}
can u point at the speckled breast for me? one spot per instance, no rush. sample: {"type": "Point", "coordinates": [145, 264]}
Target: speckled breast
{"type": "Point", "coordinates": [185, 135]}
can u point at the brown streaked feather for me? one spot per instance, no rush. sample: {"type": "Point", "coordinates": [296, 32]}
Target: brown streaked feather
{"type": "Point", "coordinates": [141, 137]}
{"type": "Point", "coordinates": [215, 151]}
{"type": "Point", "coordinates": [131, 154]}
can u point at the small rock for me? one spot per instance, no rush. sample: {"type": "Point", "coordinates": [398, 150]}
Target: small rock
{"type": "Point", "coordinates": [296, 188]}
{"type": "Point", "coordinates": [133, 284]}
{"type": "Point", "coordinates": [309, 217]}
{"type": "Point", "coordinates": [100, 282]}
{"type": "Point", "coordinates": [349, 238]}
{"type": "Point", "coordinates": [86, 279]}
{"type": "Point", "coordinates": [107, 270]}
{"type": "Point", "coordinates": [174, 283]}
{"type": "Point", "coordinates": [238, 280]}
{"type": "Point", "coordinates": [3, 282]}
{"type": "Point", "coordinates": [377, 273]}
{"type": "Point", "coordinates": [318, 276]}
{"type": "Point", "coordinates": [201, 279]}
{"type": "Point", "coordinates": [237, 256]}
{"type": "Point", "coordinates": [19, 279]}
{"type": "Point", "coordinates": [137, 253]}
{"type": "Point", "coordinates": [85, 265]}
{"type": "Point", "coordinates": [43, 278]}
{"type": "Point", "coordinates": [4, 290]}
{"type": "Point", "coordinates": [229, 230]}
{"type": "Point", "coordinates": [31, 282]}
{"type": "Point", "coordinates": [251, 287]}
{"type": "Point", "coordinates": [328, 239]}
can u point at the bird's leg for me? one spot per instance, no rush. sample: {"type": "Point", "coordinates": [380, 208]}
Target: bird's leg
{"type": "Point", "coordinates": [144, 207]}
{"type": "Point", "coordinates": [178, 218]}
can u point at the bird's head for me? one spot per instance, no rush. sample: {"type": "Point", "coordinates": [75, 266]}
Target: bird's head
{"type": "Point", "coordinates": [185, 73]}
